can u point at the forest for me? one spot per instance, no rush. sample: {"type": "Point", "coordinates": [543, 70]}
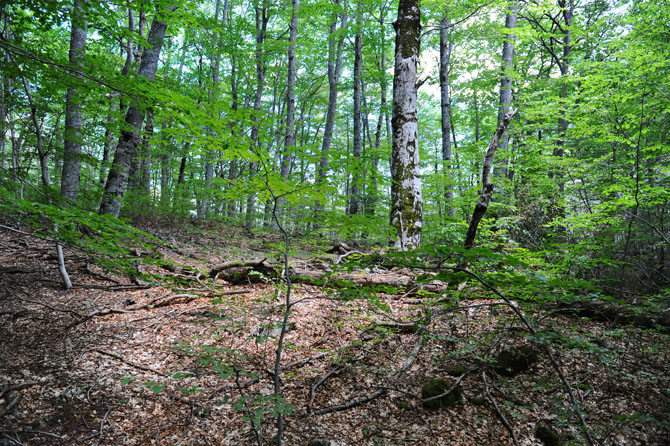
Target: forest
{"type": "Point", "coordinates": [335, 222]}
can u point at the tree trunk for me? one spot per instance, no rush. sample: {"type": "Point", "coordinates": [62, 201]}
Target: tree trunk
{"type": "Point", "coordinates": [145, 171]}
{"type": "Point", "coordinates": [289, 138]}
{"type": "Point", "coordinates": [261, 28]}
{"type": "Point", "coordinates": [130, 135]}
{"type": "Point", "coordinates": [500, 170]}
{"type": "Point", "coordinates": [354, 199]}
{"type": "Point", "coordinates": [334, 69]}
{"type": "Point", "coordinates": [487, 187]}
{"type": "Point", "coordinates": [406, 199]}
{"type": "Point", "coordinates": [72, 156]}
{"type": "Point", "coordinates": [109, 137]}
{"type": "Point", "coordinates": [446, 47]}
{"type": "Point", "coordinates": [568, 8]}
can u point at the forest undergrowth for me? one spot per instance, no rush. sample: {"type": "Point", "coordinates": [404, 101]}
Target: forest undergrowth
{"type": "Point", "coordinates": [183, 353]}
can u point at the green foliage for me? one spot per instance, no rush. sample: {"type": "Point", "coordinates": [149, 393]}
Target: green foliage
{"type": "Point", "coordinates": [106, 239]}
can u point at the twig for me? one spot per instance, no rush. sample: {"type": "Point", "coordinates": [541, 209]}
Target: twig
{"type": "Point", "coordinates": [259, 439]}
{"type": "Point", "coordinates": [223, 293]}
{"type": "Point", "coordinates": [132, 364]}
{"type": "Point", "coordinates": [11, 405]}
{"type": "Point", "coordinates": [48, 434]}
{"type": "Point", "coordinates": [152, 304]}
{"type": "Point", "coordinates": [547, 349]}
{"type": "Point", "coordinates": [102, 423]}
{"type": "Point", "coordinates": [312, 390]}
{"type": "Point", "coordinates": [503, 420]}
{"type": "Point", "coordinates": [17, 387]}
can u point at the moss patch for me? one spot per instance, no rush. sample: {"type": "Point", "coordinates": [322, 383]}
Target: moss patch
{"type": "Point", "coordinates": [438, 386]}
{"type": "Point", "coordinates": [514, 361]}
{"type": "Point", "coordinates": [547, 436]}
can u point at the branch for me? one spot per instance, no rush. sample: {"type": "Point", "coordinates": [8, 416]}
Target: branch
{"type": "Point", "coordinates": [132, 364]}
{"type": "Point", "coordinates": [503, 420]}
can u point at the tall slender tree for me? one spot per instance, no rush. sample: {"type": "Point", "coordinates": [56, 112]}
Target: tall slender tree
{"type": "Point", "coordinates": [291, 76]}
{"type": "Point", "coordinates": [261, 9]}
{"type": "Point", "coordinates": [446, 48]}
{"type": "Point", "coordinates": [500, 169]}
{"type": "Point", "coordinates": [354, 199]}
{"type": "Point", "coordinates": [335, 50]}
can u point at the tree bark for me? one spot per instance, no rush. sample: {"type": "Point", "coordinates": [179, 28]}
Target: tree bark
{"type": "Point", "coordinates": [406, 198]}
{"type": "Point", "coordinates": [72, 156]}
{"type": "Point", "coordinates": [289, 138]}
{"type": "Point", "coordinates": [500, 170]}
{"type": "Point", "coordinates": [487, 187]}
{"type": "Point", "coordinates": [130, 135]}
{"type": "Point", "coordinates": [446, 47]}
{"type": "Point", "coordinates": [354, 199]}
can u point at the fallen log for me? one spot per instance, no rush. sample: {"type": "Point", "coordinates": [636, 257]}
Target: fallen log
{"type": "Point", "coordinates": [244, 272]}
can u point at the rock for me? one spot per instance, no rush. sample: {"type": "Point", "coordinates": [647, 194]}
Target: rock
{"type": "Point", "coordinates": [319, 442]}
{"type": "Point", "coordinates": [438, 386]}
{"type": "Point", "coordinates": [547, 436]}
{"type": "Point", "coordinates": [514, 361]}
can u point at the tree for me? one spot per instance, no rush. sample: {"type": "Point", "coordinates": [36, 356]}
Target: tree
{"type": "Point", "coordinates": [72, 155]}
{"type": "Point", "coordinates": [446, 49]}
{"type": "Point", "coordinates": [500, 170]}
{"type": "Point", "coordinates": [335, 50]}
{"type": "Point", "coordinates": [406, 198]}
{"type": "Point", "coordinates": [354, 199]}
{"type": "Point", "coordinates": [130, 136]}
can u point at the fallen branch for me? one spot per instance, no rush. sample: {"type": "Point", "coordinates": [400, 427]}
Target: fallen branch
{"type": "Point", "coordinates": [18, 387]}
{"type": "Point", "coordinates": [451, 389]}
{"type": "Point", "coordinates": [132, 364]}
{"type": "Point", "coordinates": [377, 393]}
{"type": "Point", "coordinates": [503, 420]}
{"type": "Point", "coordinates": [152, 304]}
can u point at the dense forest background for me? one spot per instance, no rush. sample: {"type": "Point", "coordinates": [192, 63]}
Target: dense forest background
{"type": "Point", "coordinates": [537, 164]}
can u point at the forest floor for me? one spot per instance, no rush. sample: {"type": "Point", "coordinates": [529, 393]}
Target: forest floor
{"type": "Point", "coordinates": [111, 362]}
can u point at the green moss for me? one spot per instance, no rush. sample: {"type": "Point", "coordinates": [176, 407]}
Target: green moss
{"type": "Point", "coordinates": [547, 436]}
{"type": "Point", "coordinates": [479, 401]}
{"type": "Point", "coordinates": [514, 361]}
{"type": "Point", "coordinates": [438, 386]}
